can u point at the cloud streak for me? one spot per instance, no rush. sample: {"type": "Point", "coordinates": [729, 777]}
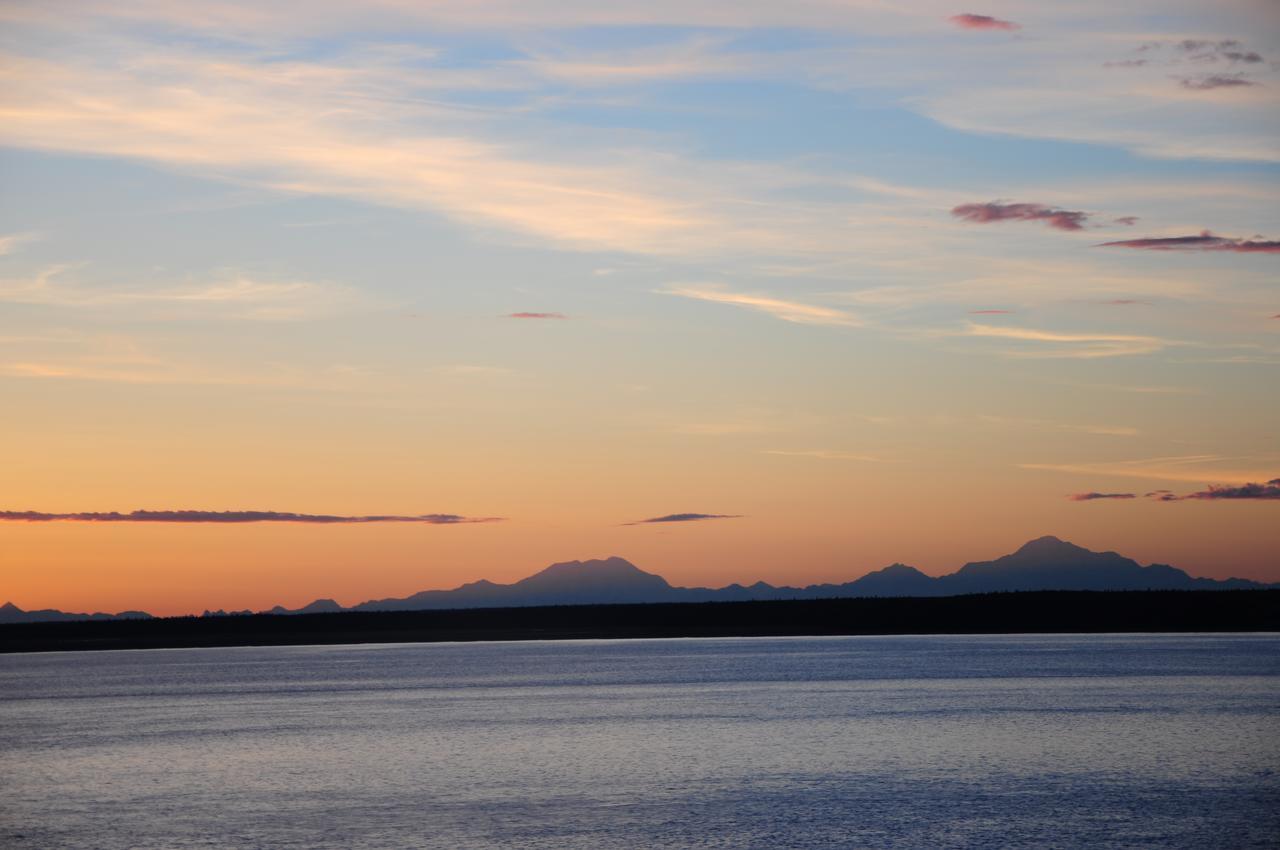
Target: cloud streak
{"type": "Point", "coordinates": [526, 315]}
{"type": "Point", "coordinates": [1204, 241]}
{"type": "Point", "coordinates": [682, 518]}
{"type": "Point", "coordinates": [827, 454]}
{"type": "Point", "coordinates": [993, 211]}
{"type": "Point", "coordinates": [1078, 345]}
{"type": "Point", "coordinates": [1209, 82]}
{"type": "Point", "coordinates": [970, 21]}
{"type": "Point", "coordinates": [787, 311]}
{"type": "Point", "coordinates": [1089, 497]}
{"type": "Point", "coordinates": [235, 517]}
{"type": "Point", "coordinates": [1270, 491]}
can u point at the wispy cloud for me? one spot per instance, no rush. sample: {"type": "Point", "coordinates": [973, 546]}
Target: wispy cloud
{"type": "Point", "coordinates": [234, 297]}
{"type": "Point", "coordinates": [470, 369]}
{"type": "Point", "coordinates": [346, 130]}
{"type": "Point", "coordinates": [682, 60]}
{"type": "Point", "coordinates": [788, 311]}
{"type": "Point", "coordinates": [1077, 345]}
{"type": "Point", "coordinates": [1047, 424]}
{"type": "Point", "coordinates": [991, 312]}
{"type": "Point", "coordinates": [1186, 468]}
{"type": "Point", "coordinates": [718, 429]}
{"type": "Point", "coordinates": [188, 516]}
{"type": "Point", "coordinates": [828, 454]}
{"type": "Point", "coordinates": [1089, 497]}
{"type": "Point", "coordinates": [1204, 241]}
{"type": "Point", "coordinates": [11, 242]}
{"type": "Point", "coordinates": [683, 518]}
{"type": "Point", "coordinates": [536, 316]}
{"type": "Point", "coordinates": [992, 211]}
{"type": "Point", "coordinates": [970, 21]}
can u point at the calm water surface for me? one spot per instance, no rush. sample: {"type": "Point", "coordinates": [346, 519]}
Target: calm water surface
{"type": "Point", "coordinates": [876, 742]}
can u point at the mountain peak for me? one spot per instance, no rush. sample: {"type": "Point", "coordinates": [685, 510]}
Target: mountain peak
{"type": "Point", "coordinates": [612, 575]}
{"type": "Point", "coordinates": [1044, 540]}
{"type": "Point", "coordinates": [612, 565]}
{"type": "Point", "coordinates": [320, 606]}
{"type": "Point", "coordinates": [899, 568]}
{"type": "Point", "coordinates": [10, 608]}
{"type": "Point", "coordinates": [1048, 544]}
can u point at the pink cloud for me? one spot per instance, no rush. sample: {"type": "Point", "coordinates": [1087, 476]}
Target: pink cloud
{"type": "Point", "coordinates": [1127, 220]}
{"type": "Point", "coordinates": [536, 316]}
{"type": "Point", "coordinates": [1205, 241]}
{"type": "Point", "coordinates": [995, 211]}
{"type": "Point", "coordinates": [1125, 301]}
{"type": "Point", "coordinates": [1270, 490]}
{"type": "Point", "coordinates": [990, 312]}
{"type": "Point", "coordinates": [970, 21]}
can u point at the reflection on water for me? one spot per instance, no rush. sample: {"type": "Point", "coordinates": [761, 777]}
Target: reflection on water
{"type": "Point", "coordinates": [884, 742]}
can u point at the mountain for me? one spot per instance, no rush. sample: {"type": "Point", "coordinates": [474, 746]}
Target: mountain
{"type": "Point", "coordinates": [1046, 563]}
{"type": "Point", "coordinates": [320, 606]}
{"type": "Point", "coordinates": [10, 613]}
{"type": "Point", "coordinates": [612, 580]}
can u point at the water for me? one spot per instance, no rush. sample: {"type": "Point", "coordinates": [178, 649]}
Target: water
{"type": "Point", "coordinates": [876, 742]}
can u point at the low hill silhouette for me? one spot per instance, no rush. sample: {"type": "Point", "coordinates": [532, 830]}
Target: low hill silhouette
{"type": "Point", "coordinates": [10, 613]}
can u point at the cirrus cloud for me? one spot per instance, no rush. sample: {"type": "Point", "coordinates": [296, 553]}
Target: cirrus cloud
{"type": "Point", "coordinates": [1072, 345]}
{"type": "Point", "coordinates": [787, 311]}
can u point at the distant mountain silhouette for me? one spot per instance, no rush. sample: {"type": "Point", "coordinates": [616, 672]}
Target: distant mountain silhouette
{"type": "Point", "coordinates": [1046, 563]}
{"type": "Point", "coordinates": [570, 583]}
{"type": "Point", "coordinates": [10, 613]}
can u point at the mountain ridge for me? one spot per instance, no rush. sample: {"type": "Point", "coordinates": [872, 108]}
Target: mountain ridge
{"type": "Point", "coordinates": [1045, 563]}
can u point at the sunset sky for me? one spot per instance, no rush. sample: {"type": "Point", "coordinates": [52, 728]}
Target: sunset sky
{"type": "Point", "coordinates": [824, 285]}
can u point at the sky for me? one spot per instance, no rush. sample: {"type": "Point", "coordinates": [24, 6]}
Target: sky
{"type": "Point", "coordinates": [324, 299]}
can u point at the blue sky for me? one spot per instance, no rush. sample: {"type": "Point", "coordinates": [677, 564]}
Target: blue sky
{"type": "Point", "coordinates": [808, 262]}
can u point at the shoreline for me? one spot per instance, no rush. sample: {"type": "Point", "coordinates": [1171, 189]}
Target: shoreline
{"type": "Point", "coordinates": [1019, 612]}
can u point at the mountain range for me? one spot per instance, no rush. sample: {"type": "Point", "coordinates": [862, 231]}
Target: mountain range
{"type": "Point", "coordinates": [10, 613]}
{"type": "Point", "coordinates": [1046, 563]}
